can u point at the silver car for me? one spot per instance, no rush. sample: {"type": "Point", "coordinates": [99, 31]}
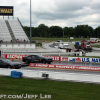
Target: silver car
{"type": "Point", "coordinates": [6, 63]}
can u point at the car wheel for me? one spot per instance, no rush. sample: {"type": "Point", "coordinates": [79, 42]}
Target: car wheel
{"type": "Point", "coordinates": [9, 66]}
{"type": "Point", "coordinates": [49, 62]}
{"type": "Point", "coordinates": [74, 54]}
{"type": "Point", "coordinates": [18, 67]}
{"type": "Point", "coordinates": [44, 62]}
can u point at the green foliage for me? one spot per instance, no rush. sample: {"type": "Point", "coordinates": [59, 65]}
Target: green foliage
{"type": "Point", "coordinates": [43, 30]}
{"type": "Point", "coordinates": [57, 31]}
{"type": "Point", "coordinates": [84, 30]}
{"type": "Point", "coordinates": [97, 32]}
{"type": "Point", "coordinates": [54, 39]}
{"type": "Point", "coordinates": [58, 90]}
{"type": "Point", "coordinates": [27, 29]}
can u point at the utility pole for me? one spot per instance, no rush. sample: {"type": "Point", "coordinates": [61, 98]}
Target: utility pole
{"type": "Point", "coordinates": [63, 33]}
{"type": "Point", "coordinates": [30, 21]}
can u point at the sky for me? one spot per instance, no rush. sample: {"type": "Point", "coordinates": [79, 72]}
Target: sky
{"type": "Point", "coordinates": [63, 13]}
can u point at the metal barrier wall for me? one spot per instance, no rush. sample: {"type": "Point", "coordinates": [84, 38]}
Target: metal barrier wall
{"type": "Point", "coordinates": [17, 45]}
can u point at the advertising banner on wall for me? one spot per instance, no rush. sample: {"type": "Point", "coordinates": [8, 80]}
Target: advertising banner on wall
{"type": "Point", "coordinates": [84, 59]}
{"type": "Point", "coordinates": [55, 58]}
{"type": "Point", "coordinates": [13, 56]}
{"type": "Point", "coordinates": [72, 67]}
{"type": "Point", "coordinates": [6, 11]}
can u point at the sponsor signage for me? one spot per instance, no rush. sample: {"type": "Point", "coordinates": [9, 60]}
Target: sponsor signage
{"type": "Point", "coordinates": [75, 59]}
{"type": "Point", "coordinates": [3, 55]}
{"type": "Point", "coordinates": [15, 56]}
{"type": "Point", "coordinates": [6, 10]}
{"type": "Point", "coordinates": [64, 58]}
{"type": "Point", "coordinates": [55, 58]}
{"type": "Point", "coordinates": [90, 68]}
{"type": "Point", "coordinates": [96, 60]}
{"type": "Point", "coordinates": [80, 59]}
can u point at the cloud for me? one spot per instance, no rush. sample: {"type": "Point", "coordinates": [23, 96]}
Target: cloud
{"type": "Point", "coordinates": [56, 12]}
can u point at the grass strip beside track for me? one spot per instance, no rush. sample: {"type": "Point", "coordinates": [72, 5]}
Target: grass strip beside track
{"type": "Point", "coordinates": [57, 89]}
{"type": "Point", "coordinates": [55, 39]}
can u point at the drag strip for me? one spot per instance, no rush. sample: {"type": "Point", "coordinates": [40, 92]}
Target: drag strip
{"type": "Point", "coordinates": [61, 70]}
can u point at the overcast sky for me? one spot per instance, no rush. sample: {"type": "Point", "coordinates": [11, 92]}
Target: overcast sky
{"type": "Point", "coordinates": [64, 13]}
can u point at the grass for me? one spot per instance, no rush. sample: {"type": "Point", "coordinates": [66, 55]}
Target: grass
{"type": "Point", "coordinates": [58, 90]}
{"type": "Point", "coordinates": [54, 39]}
{"type": "Point", "coordinates": [96, 45]}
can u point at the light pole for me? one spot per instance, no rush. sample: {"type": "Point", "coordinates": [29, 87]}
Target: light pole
{"type": "Point", "coordinates": [30, 21]}
{"type": "Point", "coordinates": [63, 33]}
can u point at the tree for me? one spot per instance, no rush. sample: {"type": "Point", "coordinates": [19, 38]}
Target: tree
{"type": "Point", "coordinates": [91, 31]}
{"type": "Point", "coordinates": [65, 30]}
{"type": "Point", "coordinates": [27, 30]}
{"type": "Point", "coordinates": [97, 32]}
{"type": "Point", "coordinates": [83, 30]}
{"type": "Point", "coordinates": [34, 32]}
{"type": "Point", "coordinates": [56, 31]}
{"type": "Point", "coordinates": [43, 30]}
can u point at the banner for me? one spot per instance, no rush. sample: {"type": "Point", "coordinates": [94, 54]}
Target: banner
{"type": "Point", "coordinates": [83, 59]}
{"type": "Point", "coordinates": [13, 56]}
{"type": "Point", "coordinates": [6, 10]}
{"type": "Point", "coordinates": [89, 68]}
{"type": "Point", "coordinates": [55, 58]}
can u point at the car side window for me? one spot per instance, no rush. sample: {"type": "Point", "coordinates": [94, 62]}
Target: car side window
{"type": "Point", "coordinates": [29, 57]}
{"type": "Point", "coordinates": [33, 57]}
{"type": "Point", "coordinates": [36, 57]}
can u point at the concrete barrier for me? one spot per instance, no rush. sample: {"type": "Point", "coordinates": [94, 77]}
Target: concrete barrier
{"type": "Point", "coordinates": [18, 45]}
{"type": "Point", "coordinates": [93, 54]}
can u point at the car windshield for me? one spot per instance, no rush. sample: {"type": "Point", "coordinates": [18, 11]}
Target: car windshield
{"type": "Point", "coordinates": [86, 43]}
{"type": "Point", "coordinates": [65, 46]}
{"type": "Point", "coordinates": [40, 55]}
{"type": "Point", "coordinates": [6, 60]}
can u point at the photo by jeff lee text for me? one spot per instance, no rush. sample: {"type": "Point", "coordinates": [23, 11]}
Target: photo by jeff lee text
{"type": "Point", "coordinates": [26, 96]}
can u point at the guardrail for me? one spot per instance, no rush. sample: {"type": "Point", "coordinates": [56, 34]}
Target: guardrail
{"type": "Point", "coordinates": [96, 49]}
{"type": "Point", "coordinates": [42, 53]}
{"type": "Point", "coordinates": [17, 45]}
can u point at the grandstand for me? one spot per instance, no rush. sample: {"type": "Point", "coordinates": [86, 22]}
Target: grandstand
{"type": "Point", "coordinates": [4, 32]}
{"type": "Point", "coordinates": [12, 30]}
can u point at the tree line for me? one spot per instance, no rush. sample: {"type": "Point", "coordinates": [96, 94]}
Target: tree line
{"type": "Point", "coordinates": [56, 31]}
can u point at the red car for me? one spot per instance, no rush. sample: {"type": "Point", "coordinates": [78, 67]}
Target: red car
{"type": "Point", "coordinates": [91, 41]}
{"type": "Point", "coordinates": [84, 41]}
